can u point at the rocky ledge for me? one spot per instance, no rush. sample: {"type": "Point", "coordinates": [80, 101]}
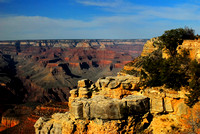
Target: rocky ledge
{"type": "Point", "coordinates": [97, 113]}
{"type": "Point", "coordinates": [117, 105]}
{"type": "Point", "coordinates": [90, 112]}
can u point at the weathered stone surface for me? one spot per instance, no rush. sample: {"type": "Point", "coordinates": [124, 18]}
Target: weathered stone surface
{"type": "Point", "coordinates": [180, 108]}
{"type": "Point", "coordinates": [74, 93]}
{"type": "Point", "coordinates": [69, 125]}
{"type": "Point", "coordinates": [149, 47]}
{"type": "Point", "coordinates": [156, 100]}
{"type": "Point", "coordinates": [86, 109]}
{"type": "Point", "coordinates": [168, 104]}
{"type": "Point", "coordinates": [112, 82]}
{"type": "Point", "coordinates": [39, 125]}
{"type": "Point", "coordinates": [137, 104]}
{"type": "Point", "coordinates": [83, 92]}
{"type": "Point", "coordinates": [126, 85]}
{"type": "Point", "coordinates": [102, 83]}
{"type": "Point", "coordinates": [193, 46]}
{"type": "Point", "coordinates": [84, 83]}
{"type": "Point", "coordinates": [77, 109]}
{"type": "Point", "coordinates": [107, 108]}
{"type": "Point", "coordinates": [157, 105]}
{"type": "Point", "coordinates": [173, 95]}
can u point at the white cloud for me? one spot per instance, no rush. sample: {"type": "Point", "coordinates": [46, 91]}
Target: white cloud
{"type": "Point", "coordinates": [146, 22]}
{"type": "Point", "coordinates": [181, 12]}
{"type": "Point", "coordinates": [36, 27]}
{"type": "Point", "coordinates": [100, 3]}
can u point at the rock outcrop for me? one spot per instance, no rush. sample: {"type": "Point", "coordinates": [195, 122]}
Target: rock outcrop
{"type": "Point", "coordinates": [97, 115]}
{"type": "Point", "coordinates": [92, 113]}
{"type": "Point", "coordinates": [93, 108]}
{"type": "Point", "coordinates": [170, 113]}
{"type": "Point", "coordinates": [193, 46]}
{"type": "Point", "coordinates": [149, 47]}
{"type": "Point", "coordinates": [105, 108]}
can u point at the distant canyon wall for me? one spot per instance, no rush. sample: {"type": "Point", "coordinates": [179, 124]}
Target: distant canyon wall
{"type": "Point", "coordinates": [75, 42]}
{"type": "Point", "coordinates": [49, 71]}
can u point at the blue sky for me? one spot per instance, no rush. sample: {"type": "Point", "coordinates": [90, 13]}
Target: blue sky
{"type": "Point", "coordinates": [95, 19]}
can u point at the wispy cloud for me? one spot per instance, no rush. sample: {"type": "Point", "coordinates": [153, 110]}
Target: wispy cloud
{"type": "Point", "coordinates": [140, 22]}
{"type": "Point", "coordinates": [100, 3]}
{"type": "Point", "coordinates": [180, 12]}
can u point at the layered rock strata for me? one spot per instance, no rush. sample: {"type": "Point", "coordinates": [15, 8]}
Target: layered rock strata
{"type": "Point", "coordinates": [89, 110]}
{"type": "Point", "coordinates": [193, 46]}
{"type": "Point", "coordinates": [94, 109]}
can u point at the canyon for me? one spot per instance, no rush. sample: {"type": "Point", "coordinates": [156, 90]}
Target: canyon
{"type": "Point", "coordinates": [119, 104]}
{"type": "Point", "coordinates": [44, 71]}
{"type": "Point", "coordinates": [112, 103]}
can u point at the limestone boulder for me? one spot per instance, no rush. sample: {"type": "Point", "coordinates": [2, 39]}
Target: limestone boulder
{"type": "Point", "coordinates": [168, 104]}
{"type": "Point", "coordinates": [107, 108]}
{"type": "Point", "coordinates": [76, 109]}
{"type": "Point", "coordinates": [180, 107]}
{"type": "Point", "coordinates": [137, 104]}
{"type": "Point", "coordinates": [157, 105]}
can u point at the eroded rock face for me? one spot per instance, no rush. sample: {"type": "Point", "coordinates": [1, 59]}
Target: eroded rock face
{"type": "Point", "coordinates": [105, 108]}
{"type": "Point", "coordinates": [116, 86]}
{"type": "Point", "coordinates": [45, 70]}
{"type": "Point", "coordinates": [192, 46]}
{"type": "Point", "coordinates": [99, 111]}
{"type": "Point", "coordinates": [92, 113]}
{"type": "Point", "coordinates": [149, 47]}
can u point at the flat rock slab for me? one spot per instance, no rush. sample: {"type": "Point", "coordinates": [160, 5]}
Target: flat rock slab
{"type": "Point", "coordinates": [106, 108]}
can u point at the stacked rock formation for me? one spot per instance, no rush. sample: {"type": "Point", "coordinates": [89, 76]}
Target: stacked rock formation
{"type": "Point", "coordinates": [92, 113]}
{"type": "Point", "coordinates": [112, 105]}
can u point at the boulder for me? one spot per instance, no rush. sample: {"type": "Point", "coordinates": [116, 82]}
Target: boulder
{"type": "Point", "coordinates": [157, 105]}
{"type": "Point", "coordinates": [107, 108]}
{"type": "Point", "coordinates": [180, 108]}
{"type": "Point", "coordinates": [76, 109]}
{"type": "Point", "coordinates": [137, 104]}
{"type": "Point", "coordinates": [168, 104]}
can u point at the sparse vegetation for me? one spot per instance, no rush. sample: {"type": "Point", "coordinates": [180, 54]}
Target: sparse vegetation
{"type": "Point", "coordinates": [172, 38]}
{"type": "Point", "coordinates": [176, 71]}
